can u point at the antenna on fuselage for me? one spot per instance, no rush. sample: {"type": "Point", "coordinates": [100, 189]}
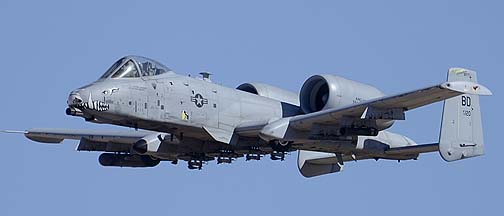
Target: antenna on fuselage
{"type": "Point", "coordinates": [206, 76]}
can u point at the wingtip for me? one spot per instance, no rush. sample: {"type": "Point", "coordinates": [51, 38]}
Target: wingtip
{"type": "Point", "coordinates": [467, 88]}
{"type": "Point", "coordinates": [14, 131]}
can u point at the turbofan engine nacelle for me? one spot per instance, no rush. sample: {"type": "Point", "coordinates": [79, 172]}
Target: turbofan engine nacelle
{"type": "Point", "coordinates": [321, 92]}
{"type": "Point", "coordinates": [148, 144]}
{"type": "Point", "coordinates": [127, 160]}
{"type": "Point", "coordinates": [269, 91]}
{"type": "Point", "coordinates": [328, 91]}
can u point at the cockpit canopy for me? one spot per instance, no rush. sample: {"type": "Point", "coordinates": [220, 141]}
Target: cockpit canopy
{"type": "Point", "coordinates": [134, 67]}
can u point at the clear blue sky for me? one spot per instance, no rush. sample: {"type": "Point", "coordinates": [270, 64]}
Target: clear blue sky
{"type": "Point", "coordinates": [50, 48]}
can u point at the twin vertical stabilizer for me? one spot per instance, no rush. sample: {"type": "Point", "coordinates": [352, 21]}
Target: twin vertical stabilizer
{"type": "Point", "coordinates": [461, 131]}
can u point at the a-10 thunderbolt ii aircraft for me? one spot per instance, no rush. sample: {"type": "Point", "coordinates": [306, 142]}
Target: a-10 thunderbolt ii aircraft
{"type": "Point", "coordinates": [333, 120]}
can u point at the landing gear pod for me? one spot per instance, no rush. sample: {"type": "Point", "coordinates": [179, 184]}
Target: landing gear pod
{"type": "Point", "coordinates": [311, 164]}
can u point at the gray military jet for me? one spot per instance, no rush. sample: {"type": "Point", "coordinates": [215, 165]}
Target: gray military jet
{"type": "Point", "coordinates": [333, 120]}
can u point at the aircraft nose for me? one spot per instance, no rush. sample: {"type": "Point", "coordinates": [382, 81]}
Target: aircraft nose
{"type": "Point", "coordinates": [74, 99]}
{"type": "Point", "coordinates": [74, 102]}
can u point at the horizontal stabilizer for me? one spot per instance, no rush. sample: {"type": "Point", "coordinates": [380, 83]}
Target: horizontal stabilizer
{"type": "Point", "coordinates": [404, 101]}
{"type": "Point", "coordinates": [412, 150]}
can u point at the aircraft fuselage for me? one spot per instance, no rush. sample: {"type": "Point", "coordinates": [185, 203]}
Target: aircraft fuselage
{"type": "Point", "coordinates": [173, 103]}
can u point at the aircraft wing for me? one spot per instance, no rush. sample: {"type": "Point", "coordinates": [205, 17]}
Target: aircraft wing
{"type": "Point", "coordinates": [389, 107]}
{"type": "Point", "coordinates": [90, 140]}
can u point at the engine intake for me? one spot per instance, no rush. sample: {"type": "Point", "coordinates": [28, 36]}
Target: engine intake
{"type": "Point", "coordinates": [321, 92]}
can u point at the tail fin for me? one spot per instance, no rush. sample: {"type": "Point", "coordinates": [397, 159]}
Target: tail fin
{"type": "Point", "coordinates": [461, 131]}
